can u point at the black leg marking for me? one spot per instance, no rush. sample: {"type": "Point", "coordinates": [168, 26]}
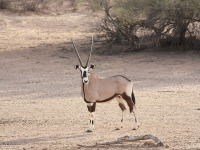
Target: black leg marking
{"type": "Point", "coordinates": [122, 106]}
{"type": "Point", "coordinates": [128, 101]}
{"type": "Point", "coordinates": [92, 108]}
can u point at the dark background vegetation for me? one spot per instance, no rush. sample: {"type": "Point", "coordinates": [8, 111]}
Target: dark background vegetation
{"type": "Point", "coordinates": [136, 24]}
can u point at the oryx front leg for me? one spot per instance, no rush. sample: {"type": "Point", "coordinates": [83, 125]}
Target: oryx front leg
{"type": "Point", "coordinates": [123, 108]}
{"type": "Point", "coordinates": [91, 108]}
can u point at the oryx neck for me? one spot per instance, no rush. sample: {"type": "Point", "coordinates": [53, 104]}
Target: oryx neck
{"type": "Point", "coordinates": [85, 88]}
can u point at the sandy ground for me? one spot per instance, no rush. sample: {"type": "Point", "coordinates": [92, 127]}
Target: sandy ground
{"type": "Point", "coordinates": [40, 103]}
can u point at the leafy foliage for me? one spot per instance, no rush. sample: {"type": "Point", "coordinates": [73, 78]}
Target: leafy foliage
{"type": "Point", "coordinates": [25, 5]}
{"type": "Point", "coordinates": [172, 18]}
{"type": "Point", "coordinates": [158, 23]}
{"type": "Point", "coordinates": [138, 23]}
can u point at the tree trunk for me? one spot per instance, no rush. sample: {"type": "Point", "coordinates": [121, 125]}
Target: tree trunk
{"type": "Point", "coordinates": [182, 38]}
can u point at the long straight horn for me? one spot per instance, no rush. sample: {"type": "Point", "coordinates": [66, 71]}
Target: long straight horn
{"type": "Point", "coordinates": [77, 53]}
{"type": "Point", "coordinates": [90, 52]}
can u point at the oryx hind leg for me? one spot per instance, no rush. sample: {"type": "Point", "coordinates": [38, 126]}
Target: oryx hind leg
{"type": "Point", "coordinates": [135, 115]}
{"type": "Point", "coordinates": [91, 108]}
{"type": "Point", "coordinates": [123, 108]}
{"type": "Point", "coordinates": [134, 111]}
{"type": "Point", "coordinates": [130, 100]}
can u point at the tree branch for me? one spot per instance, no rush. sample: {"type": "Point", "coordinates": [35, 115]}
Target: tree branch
{"type": "Point", "coordinates": [127, 139]}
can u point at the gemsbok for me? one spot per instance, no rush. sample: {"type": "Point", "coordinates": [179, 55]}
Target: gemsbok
{"type": "Point", "coordinates": [95, 89]}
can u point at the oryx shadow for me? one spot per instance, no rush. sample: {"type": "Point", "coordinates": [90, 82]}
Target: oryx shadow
{"type": "Point", "coordinates": [42, 139]}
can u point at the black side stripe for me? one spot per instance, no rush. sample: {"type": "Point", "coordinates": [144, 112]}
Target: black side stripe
{"type": "Point", "coordinates": [122, 77]}
{"type": "Point", "coordinates": [108, 99]}
{"type": "Point", "coordinates": [84, 95]}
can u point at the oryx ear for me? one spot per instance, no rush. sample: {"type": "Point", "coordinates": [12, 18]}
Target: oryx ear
{"type": "Point", "coordinates": [92, 66]}
{"type": "Point", "coordinates": [77, 67]}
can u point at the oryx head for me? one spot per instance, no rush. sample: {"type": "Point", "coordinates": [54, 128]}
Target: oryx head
{"type": "Point", "coordinates": [84, 69]}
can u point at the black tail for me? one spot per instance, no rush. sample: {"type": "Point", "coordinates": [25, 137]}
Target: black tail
{"type": "Point", "coordinates": [133, 97]}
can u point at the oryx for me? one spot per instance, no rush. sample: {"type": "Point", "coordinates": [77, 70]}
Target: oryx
{"type": "Point", "coordinates": [95, 89]}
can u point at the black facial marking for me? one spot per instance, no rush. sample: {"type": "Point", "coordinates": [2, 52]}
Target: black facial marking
{"type": "Point", "coordinates": [92, 121]}
{"type": "Point", "coordinates": [84, 74]}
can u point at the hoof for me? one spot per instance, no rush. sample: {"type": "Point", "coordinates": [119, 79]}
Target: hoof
{"type": "Point", "coordinates": [117, 129]}
{"type": "Point", "coordinates": [135, 128]}
{"type": "Point", "coordinates": [88, 131]}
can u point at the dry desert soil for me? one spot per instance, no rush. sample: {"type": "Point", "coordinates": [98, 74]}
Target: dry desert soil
{"type": "Point", "coordinates": [40, 102]}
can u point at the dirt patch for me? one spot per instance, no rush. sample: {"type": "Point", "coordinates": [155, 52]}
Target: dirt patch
{"type": "Point", "coordinates": [40, 102]}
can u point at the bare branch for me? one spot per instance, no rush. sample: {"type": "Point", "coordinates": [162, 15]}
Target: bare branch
{"type": "Point", "coordinates": [127, 139]}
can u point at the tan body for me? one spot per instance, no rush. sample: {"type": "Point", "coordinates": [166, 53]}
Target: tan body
{"type": "Point", "coordinates": [105, 89]}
